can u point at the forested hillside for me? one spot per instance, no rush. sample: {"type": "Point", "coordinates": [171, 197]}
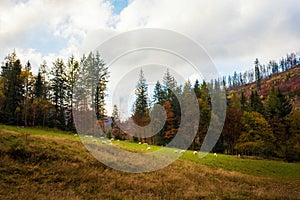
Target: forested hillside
{"type": "Point", "coordinates": [262, 117]}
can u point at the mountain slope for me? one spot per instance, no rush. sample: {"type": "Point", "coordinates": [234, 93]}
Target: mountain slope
{"type": "Point", "coordinates": [288, 82]}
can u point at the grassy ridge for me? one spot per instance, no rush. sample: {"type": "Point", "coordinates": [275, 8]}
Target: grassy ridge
{"type": "Point", "coordinates": [271, 168]}
{"type": "Point", "coordinates": [50, 165]}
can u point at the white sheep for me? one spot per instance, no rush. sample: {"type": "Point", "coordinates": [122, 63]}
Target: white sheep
{"type": "Point", "coordinates": [176, 151]}
{"type": "Point", "coordinates": [104, 142]}
{"type": "Point", "coordinates": [215, 154]}
{"type": "Point", "coordinates": [140, 143]}
{"type": "Point", "coordinates": [145, 143]}
{"type": "Point", "coordinates": [148, 148]}
{"type": "Point", "coordinates": [94, 140]}
{"type": "Point", "coordinates": [75, 135]}
{"type": "Point", "coordinates": [182, 151]}
{"type": "Point", "coordinates": [195, 152]}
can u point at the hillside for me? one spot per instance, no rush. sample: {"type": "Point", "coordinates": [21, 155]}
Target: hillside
{"type": "Point", "coordinates": [39, 164]}
{"type": "Point", "coordinates": [288, 82]}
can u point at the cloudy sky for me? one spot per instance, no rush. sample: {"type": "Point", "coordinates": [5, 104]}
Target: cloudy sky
{"type": "Point", "coordinates": [233, 32]}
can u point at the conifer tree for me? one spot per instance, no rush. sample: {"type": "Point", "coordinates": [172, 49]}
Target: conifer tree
{"type": "Point", "coordinates": [13, 89]}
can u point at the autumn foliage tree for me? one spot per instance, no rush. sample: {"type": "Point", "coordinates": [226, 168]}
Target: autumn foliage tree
{"type": "Point", "coordinates": [256, 137]}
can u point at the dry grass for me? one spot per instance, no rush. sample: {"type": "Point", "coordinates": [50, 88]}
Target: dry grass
{"type": "Point", "coordinates": [55, 168]}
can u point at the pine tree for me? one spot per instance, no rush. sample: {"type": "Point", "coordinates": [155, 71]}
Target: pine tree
{"type": "Point", "coordinates": [141, 107]}
{"type": "Point", "coordinates": [159, 94]}
{"type": "Point", "coordinates": [197, 89]}
{"type": "Point", "coordinates": [39, 86]}
{"type": "Point", "coordinates": [102, 80]}
{"type": "Point", "coordinates": [71, 77]}
{"type": "Point", "coordinates": [59, 92]}
{"type": "Point", "coordinates": [13, 89]}
{"type": "Point", "coordinates": [256, 104]}
{"type": "Point", "coordinates": [28, 81]}
{"type": "Point", "coordinates": [277, 108]}
{"type": "Point", "coordinates": [257, 74]}
{"type": "Point", "coordinates": [115, 118]}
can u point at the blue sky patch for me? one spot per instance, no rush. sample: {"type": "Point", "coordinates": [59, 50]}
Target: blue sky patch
{"type": "Point", "coordinates": [43, 40]}
{"type": "Point", "coordinates": [119, 5]}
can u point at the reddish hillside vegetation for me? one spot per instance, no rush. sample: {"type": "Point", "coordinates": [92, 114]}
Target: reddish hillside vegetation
{"type": "Point", "coordinates": [288, 82]}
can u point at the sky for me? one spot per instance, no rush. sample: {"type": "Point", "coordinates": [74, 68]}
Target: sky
{"type": "Point", "coordinates": [232, 32]}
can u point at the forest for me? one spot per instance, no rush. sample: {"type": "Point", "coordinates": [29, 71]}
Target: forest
{"type": "Point", "coordinates": [255, 125]}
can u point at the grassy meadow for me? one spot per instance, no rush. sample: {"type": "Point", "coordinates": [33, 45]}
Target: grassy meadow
{"type": "Point", "coordinates": [49, 164]}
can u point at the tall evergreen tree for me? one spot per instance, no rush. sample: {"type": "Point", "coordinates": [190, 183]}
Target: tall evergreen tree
{"type": "Point", "coordinates": [159, 94]}
{"type": "Point", "coordinates": [13, 89]}
{"type": "Point", "coordinates": [197, 89]}
{"type": "Point", "coordinates": [28, 82]}
{"type": "Point", "coordinates": [256, 104]}
{"type": "Point", "coordinates": [141, 106]}
{"type": "Point", "coordinates": [101, 87]}
{"type": "Point", "coordinates": [59, 92]}
{"type": "Point", "coordinates": [257, 74]}
{"type": "Point", "coordinates": [71, 77]}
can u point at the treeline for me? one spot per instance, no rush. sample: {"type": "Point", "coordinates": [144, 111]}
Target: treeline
{"type": "Point", "coordinates": [260, 71]}
{"type": "Point", "coordinates": [266, 127]}
{"type": "Point", "coordinates": [45, 99]}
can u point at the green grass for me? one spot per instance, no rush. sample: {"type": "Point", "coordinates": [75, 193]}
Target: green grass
{"type": "Point", "coordinates": [40, 131]}
{"type": "Point", "coordinates": [48, 164]}
{"type": "Point", "coordinates": [270, 168]}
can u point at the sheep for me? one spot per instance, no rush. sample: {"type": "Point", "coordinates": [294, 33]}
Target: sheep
{"type": "Point", "coordinates": [101, 137]}
{"type": "Point", "coordinates": [175, 151]}
{"type": "Point", "coordinates": [195, 152]}
{"type": "Point", "coordinates": [75, 135]}
{"type": "Point", "coordinates": [140, 143]}
{"type": "Point", "coordinates": [148, 148]}
{"type": "Point", "coordinates": [182, 151]}
{"type": "Point", "coordinates": [145, 143]}
{"type": "Point", "coordinates": [104, 142]}
{"type": "Point", "coordinates": [94, 140]}
{"type": "Point", "coordinates": [215, 154]}
{"type": "Point", "coordinates": [112, 139]}
{"type": "Point", "coordinates": [86, 136]}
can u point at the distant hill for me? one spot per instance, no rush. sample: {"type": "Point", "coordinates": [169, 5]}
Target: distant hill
{"type": "Point", "coordinates": [288, 82]}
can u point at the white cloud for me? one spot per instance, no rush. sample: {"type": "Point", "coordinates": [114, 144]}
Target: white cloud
{"type": "Point", "coordinates": [233, 32]}
{"type": "Point", "coordinates": [70, 20]}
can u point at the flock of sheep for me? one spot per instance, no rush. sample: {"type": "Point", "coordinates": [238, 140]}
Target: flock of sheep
{"type": "Point", "coordinates": [109, 142]}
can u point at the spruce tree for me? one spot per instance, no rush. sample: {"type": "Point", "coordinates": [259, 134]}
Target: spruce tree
{"type": "Point", "coordinates": [257, 74]}
{"type": "Point", "coordinates": [141, 107]}
{"type": "Point", "coordinates": [59, 92]}
{"type": "Point", "coordinates": [13, 89]}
